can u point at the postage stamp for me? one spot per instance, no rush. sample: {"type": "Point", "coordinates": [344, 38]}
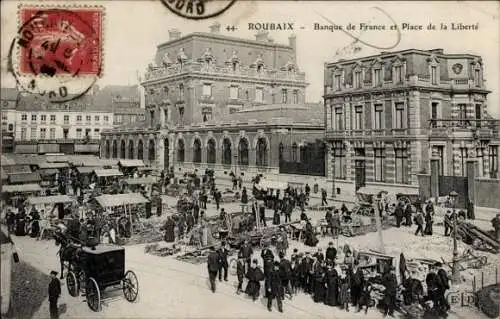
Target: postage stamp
{"type": "Point", "coordinates": [198, 9]}
{"type": "Point", "coordinates": [57, 50]}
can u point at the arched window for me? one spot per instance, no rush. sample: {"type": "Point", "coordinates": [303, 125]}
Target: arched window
{"type": "Point", "coordinates": [197, 151]}
{"type": "Point", "coordinates": [115, 149]}
{"type": "Point", "coordinates": [122, 149]}
{"type": "Point", "coordinates": [281, 149]}
{"type": "Point", "coordinates": [151, 151]}
{"type": "Point", "coordinates": [107, 150]}
{"type": "Point", "coordinates": [294, 152]}
{"type": "Point", "coordinates": [243, 152]}
{"type": "Point", "coordinates": [180, 151]}
{"type": "Point", "coordinates": [140, 150]}
{"type": "Point", "coordinates": [261, 151]}
{"type": "Point", "coordinates": [226, 151]}
{"type": "Point", "coordinates": [211, 151]}
{"type": "Point", "coordinates": [131, 149]}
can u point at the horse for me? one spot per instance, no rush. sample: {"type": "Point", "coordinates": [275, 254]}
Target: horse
{"type": "Point", "coordinates": [67, 251]}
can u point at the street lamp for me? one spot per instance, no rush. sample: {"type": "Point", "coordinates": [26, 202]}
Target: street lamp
{"type": "Point", "coordinates": [455, 272]}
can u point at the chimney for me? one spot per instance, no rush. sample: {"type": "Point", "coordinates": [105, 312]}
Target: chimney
{"type": "Point", "coordinates": [215, 28]}
{"type": "Point", "coordinates": [261, 36]}
{"type": "Point", "coordinates": [174, 34]}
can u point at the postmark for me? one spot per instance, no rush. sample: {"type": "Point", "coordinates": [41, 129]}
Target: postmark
{"type": "Point", "coordinates": [198, 9]}
{"type": "Point", "coordinates": [57, 51]}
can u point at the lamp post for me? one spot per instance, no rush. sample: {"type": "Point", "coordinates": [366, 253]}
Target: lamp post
{"type": "Point", "coordinates": [455, 272]}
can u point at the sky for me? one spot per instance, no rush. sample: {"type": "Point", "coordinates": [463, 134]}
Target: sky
{"type": "Point", "coordinates": [133, 29]}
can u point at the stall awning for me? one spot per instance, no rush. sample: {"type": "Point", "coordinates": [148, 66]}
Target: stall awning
{"type": "Point", "coordinates": [141, 180]}
{"type": "Point", "coordinates": [16, 169]}
{"type": "Point", "coordinates": [370, 191]}
{"type": "Point", "coordinates": [108, 172]}
{"type": "Point", "coordinates": [86, 148]}
{"type": "Point", "coordinates": [26, 149]}
{"type": "Point", "coordinates": [121, 199]}
{"type": "Point", "coordinates": [48, 171]}
{"type": "Point", "coordinates": [269, 184]}
{"type": "Point", "coordinates": [53, 165]}
{"type": "Point", "coordinates": [49, 199]}
{"type": "Point", "coordinates": [131, 163]}
{"type": "Point", "coordinates": [25, 178]}
{"type": "Point", "coordinates": [88, 169]}
{"type": "Point", "coordinates": [23, 188]}
{"type": "Point", "coordinates": [48, 148]}
{"type": "Point", "coordinates": [7, 160]}
{"type": "Point", "coordinates": [56, 158]}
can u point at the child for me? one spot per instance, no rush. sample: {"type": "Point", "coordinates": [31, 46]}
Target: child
{"type": "Point", "coordinates": [240, 272]}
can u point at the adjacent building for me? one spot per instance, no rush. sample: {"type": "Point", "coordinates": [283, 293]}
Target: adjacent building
{"type": "Point", "coordinates": [8, 100]}
{"type": "Point", "coordinates": [225, 103]}
{"type": "Point", "coordinates": [387, 115]}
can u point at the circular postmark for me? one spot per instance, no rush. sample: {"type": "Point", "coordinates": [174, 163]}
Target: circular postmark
{"type": "Point", "coordinates": [57, 52]}
{"type": "Point", "coordinates": [198, 9]}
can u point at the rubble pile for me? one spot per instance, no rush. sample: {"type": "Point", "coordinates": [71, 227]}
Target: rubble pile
{"type": "Point", "coordinates": [162, 251]}
{"type": "Point", "coordinates": [199, 256]}
{"type": "Point", "coordinates": [148, 232]}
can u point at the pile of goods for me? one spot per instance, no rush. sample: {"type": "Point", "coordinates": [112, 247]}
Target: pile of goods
{"type": "Point", "coordinates": [198, 256]}
{"type": "Point", "coordinates": [478, 238]}
{"type": "Point", "coordinates": [147, 232]}
{"type": "Point", "coordinates": [162, 251]}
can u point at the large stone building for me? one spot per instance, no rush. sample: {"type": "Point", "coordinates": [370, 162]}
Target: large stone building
{"type": "Point", "coordinates": [386, 115]}
{"type": "Point", "coordinates": [225, 103]}
{"type": "Point", "coordinates": [8, 102]}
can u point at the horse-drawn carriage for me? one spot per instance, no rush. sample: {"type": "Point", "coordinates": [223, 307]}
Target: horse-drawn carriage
{"type": "Point", "coordinates": [92, 270]}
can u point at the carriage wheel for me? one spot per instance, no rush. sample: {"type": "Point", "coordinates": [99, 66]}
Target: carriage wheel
{"type": "Point", "coordinates": [130, 286]}
{"type": "Point", "coordinates": [72, 284]}
{"type": "Point", "coordinates": [93, 295]}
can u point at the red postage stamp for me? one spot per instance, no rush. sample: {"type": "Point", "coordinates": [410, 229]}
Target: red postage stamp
{"type": "Point", "coordinates": [60, 41]}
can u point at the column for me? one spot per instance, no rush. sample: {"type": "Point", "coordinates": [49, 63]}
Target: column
{"type": "Point", "coordinates": [471, 177]}
{"type": "Point", "coordinates": [435, 177]}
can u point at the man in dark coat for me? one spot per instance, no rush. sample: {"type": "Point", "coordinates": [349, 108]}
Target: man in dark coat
{"type": "Point", "coordinates": [442, 287]}
{"type": "Point", "coordinates": [217, 198]}
{"type": "Point", "coordinates": [213, 264]}
{"type": "Point", "coordinates": [169, 230]}
{"type": "Point", "coordinates": [429, 220]}
{"type": "Point", "coordinates": [332, 286]}
{"type": "Point", "coordinates": [356, 286]}
{"type": "Point", "coordinates": [329, 220]}
{"type": "Point", "coordinates": [331, 253]}
{"type": "Point", "coordinates": [285, 267]}
{"type": "Point", "coordinates": [246, 251]}
{"type": "Point", "coordinates": [419, 220]}
{"type": "Point", "coordinates": [319, 282]}
{"type": "Point", "coordinates": [254, 276]}
{"type": "Point", "coordinates": [54, 294]}
{"type": "Point", "coordinates": [223, 252]}
{"type": "Point", "coordinates": [274, 288]}
{"type": "Point", "coordinates": [240, 272]}
{"type": "Point", "coordinates": [408, 213]}
{"type": "Point", "coordinates": [398, 212]}
{"type": "Point", "coordinates": [262, 215]}
{"type": "Point", "coordinates": [323, 197]}
{"type": "Point", "coordinates": [267, 259]}
{"type": "Point", "coordinates": [196, 212]}
{"type": "Point", "coordinates": [390, 283]}
{"type": "Point", "coordinates": [319, 255]}
{"type": "Point", "coordinates": [432, 280]}
{"type": "Point", "coordinates": [448, 222]}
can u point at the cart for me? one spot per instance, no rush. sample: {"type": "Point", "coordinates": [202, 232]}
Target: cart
{"type": "Point", "coordinates": [96, 269]}
{"type": "Point", "coordinates": [373, 261]}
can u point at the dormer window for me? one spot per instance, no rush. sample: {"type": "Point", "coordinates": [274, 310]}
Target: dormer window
{"type": "Point", "coordinates": [235, 66]}
{"type": "Point", "coordinates": [259, 68]}
{"type": "Point", "coordinates": [357, 79]}
{"type": "Point", "coordinates": [398, 74]}
{"type": "Point", "coordinates": [434, 74]}
{"type": "Point", "coordinates": [337, 80]}
{"type": "Point", "coordinates": [477, 77]}
{"type": "Point", "coordinates": [377, 77]}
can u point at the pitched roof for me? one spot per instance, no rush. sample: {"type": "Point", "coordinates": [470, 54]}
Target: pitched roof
{"type": "Point", "coordinates": [9, 94]}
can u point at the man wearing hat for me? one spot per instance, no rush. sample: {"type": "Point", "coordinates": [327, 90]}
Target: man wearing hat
{"type": "Point", "coordinates": [274, 287]}
{"type": "Point", "coordinates": [246, 251]}
{"type": "Point", "coordinates": [331, 253]}
{"type": "Point", "coordinates": [390, 283]}
{"type": "Point", "coordinates": [213, 265]}
{"type": "Point", "coordinates": [240, 272]}
{"type": "Point", "coordinates": [54, 294]}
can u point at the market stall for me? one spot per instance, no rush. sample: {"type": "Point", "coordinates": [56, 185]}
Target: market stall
{"type": "Point", "coordinates": [14, 194]}
{"type": "Point", "coordinates": [107, 178]}
{"type": "Point", "coordinates": [128, 167]}
{"type": "Point", "coordinates": [141, 184]}
{"type": "Point", "coordinates": [46, 206]}
{"type": "Point", "coordinates": [24, 178]}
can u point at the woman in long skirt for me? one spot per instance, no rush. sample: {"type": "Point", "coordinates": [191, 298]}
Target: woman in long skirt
{"type": "Point", "coordinates": [344, 293]}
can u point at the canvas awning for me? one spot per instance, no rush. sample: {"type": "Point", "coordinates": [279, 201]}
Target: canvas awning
{"type": "Point", "coordinates": [16, 169]}
{"type": "Point", "coordinates": [370, 191]}
{"type": "Point", "coordinates": [29, 159]}
{"type": "Point", "coordinates": [25, 178]}
{"type": "Point", "coordinates": [86, 148]}
{"type": "Point", "coordinates": [49, 199]}
{"type": "Point", "coordinates": [56, 158]}
{"type": "Point", "coordinates": [87, 169]}
{"type": "Point", "coordinates": [131, 163]}
{"type": "Point", "coordinates": [121, 199]}
{"type": "Point", "coordinates": [48, 171]}
{"type": "Point", "coordinates": [23, 188]}
{"type": "Point", "coordinates": [26, 149]}
{"type": "Point", "coordinates": [141, 180]}
{"type": "Point", "coordinates": [269, 184]}
{"type": "Point", "coordinates": [48, 148]}
{"type": "Point", "coordinates": [53, 165]}
{"type": "Point", "coordinates": [7, 160]}
{"type": "Point", "coordinates": [108, 172]}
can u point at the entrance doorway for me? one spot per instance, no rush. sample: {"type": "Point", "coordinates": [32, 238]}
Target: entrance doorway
{"type": "Point", "coordinates": [360, 174]}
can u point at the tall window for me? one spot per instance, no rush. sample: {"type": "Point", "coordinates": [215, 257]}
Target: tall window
{"type": "Point", "coordinates": [181, 92]}
{"type": "Point", "coordinates": [88, 118]}
{"type": "Point", "coordinates": [337, 82]}
{"type": "Point", "coordinates": [233, 92]}
{"type": "Point", "coordinates": [115, 149]}
{"type": "Point", "coordinates": [226, 151]}
{"type": "Point", "coordinates": [43, 133]}
{"type": "Point", "coordinates": [339, 119]}
{"type": "Point", "coordinates": [440, 155]}
{"type": "Point", "coordinates": [462, 111]}
{"type": "Point", "coordinates": [434, 74]}
{"type": "Point", "coordinates": [52, 133]}
{"type": "Point", "coordinates": [151, 151]}
{"type": "Point", "coordinates": [151, 117]}
{"type": "Point", "coordinates": [398, 74]}
{"type": "Point", "coordinates": [357, 79]}
{"type": "Point", "coordinates": [107, 150]}
{"type": "Point", "coordinates": [33, 133]}
{"type": "Point", "coordinates": [140, 150]}
{"type": "Point", "coordinates": [197, 151]}
{"type": "Point", "coordinates": [480, 161]}
{"type": "Point", "coordinates": [180, 151]}
{"type": "Point", "coordinates": [23, 133]}
{"type": "Point", "coordinates": [434, 114]}
{"type": "Point", "coordinates": [78, 118]}
{"type": "Point", "coordinates": [284, 96]}
{"type": "Point", "coordinates": [338, 154]}
{"type": "Point", "coordinates": [78, 133]}
{"type": "Point", "coordinates": [478, 114]}
{"type": "Point", "coordinates": [211, 151]}
{"type": "Point", "coordinates": [259, 94]}
{"type": "Point", "coordinates": [33, 118]}
{"type": "Point", "coordinates": [295, 97]}
{"type": "Point", "coordinates": [207, 90]}
{"type": "Point", "coordinates": [399, 112]}
{"type": "Point", "coordinates": [379, 164]}
{"type": "Point", "coordinates": [206, 114]}
{"type": "Point", "coordinates": [401, 155]}
{"type": "Point", "coordinates": [131, 149]}
{"type": "Point", "coordinates": [379, 117]}
{"type": "Point", "coordinates": [358, 117]}
{"type": "Point", "coordinates": [24, 117]}
{"type": "Point", "coordinates": [52, 118]}
{"type": "Point", "coordinates": [493, 161]}
{"type": "Point", "coordinates": [294, 152]}
{"type": "Point", "coordinates": [463, 161]}
{"type": "Point", "coordinates": [477, 77]}
{"type": "Point", "coordinates": [243, 152]}
{"type": "Point", "coordinates": [377, 77]}
{"type": "Point", "coordinates": [281, 149]}
{"type": "Point", "coordinates": [122, 149]}
{"type": "Point", "coordinates": [261, 151]}
{"type": "Point", "coordinates": [43, 118]}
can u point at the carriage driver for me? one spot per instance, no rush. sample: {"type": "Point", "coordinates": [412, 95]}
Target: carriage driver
{"type": "Point", "coordinates": [54, 294]}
